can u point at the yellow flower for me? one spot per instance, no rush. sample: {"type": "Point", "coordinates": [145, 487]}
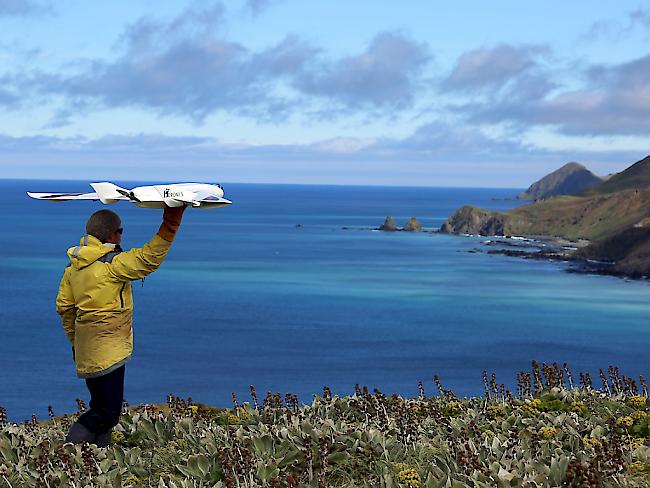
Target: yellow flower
{"type": "Point", "coordinates": [637, 442]}
{"type": "Point", "coordinates": [637, 466]}
{"type": "Point", "coordinates": [194, 409]}
{"type": "Point", "coordinates": [232, 419]}
{"type": "Point", "coordinates": [494, 411]}
{"type": "Point", "coordinates": [132, 480]}
{"type": "Point", "coordinates": [626, 421]}
{"type": "Point", "coordinates": [578, 407]}
{"type": "Point", "coordinates": [528, 409]}
{"type": "Point", "coordinates": [637, 401]}
{"type": "Point", "coordinates": [454, 407]}
{"type": "Point", "coordinates": [409, 477]}
{"type": "Point", "coordinates": [547, 432]}
{"type": "Point", "coordinates": [591, 441]}
{"type": "Point", "coordinates": [117, 437]}
{"type": "Point", "coordinates": [488, 433]}
{"type": "Point", "coordinates": [243, 414]}
{"type": "Point", "coordinates": [535, 402]}
{"type": "Point", "coordinates": [639, 415]}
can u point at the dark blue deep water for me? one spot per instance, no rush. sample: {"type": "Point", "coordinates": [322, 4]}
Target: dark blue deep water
{"type": "Point", "coordinates": [247, 297]}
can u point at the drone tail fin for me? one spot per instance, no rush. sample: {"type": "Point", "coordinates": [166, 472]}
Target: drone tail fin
{"type": "Point", "coordinates": [108, 192]}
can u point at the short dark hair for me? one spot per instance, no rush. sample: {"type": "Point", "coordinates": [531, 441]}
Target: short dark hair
{"type": "Point", "coordinates": [103, 224]}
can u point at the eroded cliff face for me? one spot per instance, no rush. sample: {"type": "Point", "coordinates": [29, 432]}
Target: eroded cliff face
{"type": "Point", "coordinates": [629, 251]}
{"type": "Point", "coordinates": [473, 220]}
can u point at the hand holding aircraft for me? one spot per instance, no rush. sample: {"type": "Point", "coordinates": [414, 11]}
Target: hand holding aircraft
{"type": "Point", "coordinates": [201, 195]}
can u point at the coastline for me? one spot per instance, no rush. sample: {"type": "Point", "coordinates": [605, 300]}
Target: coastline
{"type": "Point", "coordinates": [550, 248]}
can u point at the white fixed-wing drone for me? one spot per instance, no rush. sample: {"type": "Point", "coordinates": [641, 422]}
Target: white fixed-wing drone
{"type": "Point", "coordinates": [202, 195]}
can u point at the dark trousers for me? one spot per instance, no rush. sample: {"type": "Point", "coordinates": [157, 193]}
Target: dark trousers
{"type": "Point", "coordinates": [106, 394]}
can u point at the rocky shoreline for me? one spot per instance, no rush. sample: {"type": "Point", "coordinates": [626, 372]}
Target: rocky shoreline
{"type": "Point", "coordinates": [544, 248]}
{"type": "Point", "coordinates": [582, 256]}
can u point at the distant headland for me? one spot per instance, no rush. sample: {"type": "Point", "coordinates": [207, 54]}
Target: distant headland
{"type": "Point", "coordinates": [608, 218]}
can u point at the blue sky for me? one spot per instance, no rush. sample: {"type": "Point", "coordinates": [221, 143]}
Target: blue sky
{"type": "Point", "coordinates": [412, 93]}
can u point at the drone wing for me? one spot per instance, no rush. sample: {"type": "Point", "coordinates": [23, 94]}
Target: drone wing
{"type": "Point", "coordinates": [203, 199]}
{"type": "Point", "coordinates": [62, 197]}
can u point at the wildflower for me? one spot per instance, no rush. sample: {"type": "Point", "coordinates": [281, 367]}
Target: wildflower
{"type": "Point", "coordinates": [639, 415]}
{"type": "Point", "coordinates": [547, 432]}
{"type": "Point", "coordinates": [488, 433]}
{"type": "Point", "coordinates": [117, 437]}
{"type": "Point", "coordinates": [591, 441]}
{"type": "Point", "coordinates": [232, 419]}
{"type": "Point", "coordinates": [637, 466]}
{"type": "Point", "coordinates": [132, 480]}
{"type": "Point", "coordinates": [626, 421]}
{"type": "Point", "coordinates": [637, 401]}
{"type": "Point", "coordinates": [528, 409]}
{"type": "Point", "coordinates": [178, 443]}
{"type": "Point", "coordinates": [409, 477]}
{"type": "Point", "coordinates": [243, 414]}
{"type": "Point", "coordinates": [578, 407]}
{"type": "Point", "coordinates": [401, 467]}
{"type": "Point", "coordinates": [495, 411]}
{"type": "Point", "coordinates": [535, 402]}
{"type": "Point", "coordinates": [637, 442]}
{"type": "Point", "coordinates": [454, 408]}
{"type": "Point", "coordinates": [194, 409]}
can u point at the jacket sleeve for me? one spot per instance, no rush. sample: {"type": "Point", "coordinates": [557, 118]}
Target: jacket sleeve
{"type": "Point", "coordinates": [140, 262]}
{"type": "Point", "coordinates": [65, 305]}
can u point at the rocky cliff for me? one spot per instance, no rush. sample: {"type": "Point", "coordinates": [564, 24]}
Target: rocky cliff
{"type": "Point", "coordinates": [473, 220]}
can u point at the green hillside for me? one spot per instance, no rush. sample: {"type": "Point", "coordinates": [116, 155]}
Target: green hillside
{"type": "Point", "coordinates": [636, 176]}
{"type": "Point", "coordinates": [581, 217]}
{"type": "Point", "coordinates": [572, 217]}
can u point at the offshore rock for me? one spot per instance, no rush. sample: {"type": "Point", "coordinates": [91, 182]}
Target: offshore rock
{"type": "Point", "coordinates": [388, 225]}
{"type": "Point", "coordinates": [413, 225]}
{"type": "Point", "coordinates": [473, 220]}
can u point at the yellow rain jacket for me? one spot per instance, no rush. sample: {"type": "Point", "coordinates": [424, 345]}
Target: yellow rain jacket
{"type": "Point", "coordinates": [95, 301]}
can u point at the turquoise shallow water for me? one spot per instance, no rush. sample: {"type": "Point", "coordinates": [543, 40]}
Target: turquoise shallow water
{"type": "Point", "coordinates": [246, 297]}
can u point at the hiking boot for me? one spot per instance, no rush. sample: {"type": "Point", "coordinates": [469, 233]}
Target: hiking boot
{"type": "Point", "coordinates": [105, 439]}
{"type": "Point", "coordinates": [79, 433]}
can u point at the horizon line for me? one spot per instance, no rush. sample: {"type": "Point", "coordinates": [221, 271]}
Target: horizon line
{"type": "Point", "coordinates": [383, 185]}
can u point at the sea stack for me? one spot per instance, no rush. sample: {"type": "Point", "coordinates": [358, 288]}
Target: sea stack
{"type": "Point", "coordinates": [413, 225]}
{"type": "Point", "coordinates": [388, 225]}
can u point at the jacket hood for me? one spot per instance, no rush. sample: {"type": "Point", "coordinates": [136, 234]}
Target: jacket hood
{"type": "Point", "coordinates": [89, 250]}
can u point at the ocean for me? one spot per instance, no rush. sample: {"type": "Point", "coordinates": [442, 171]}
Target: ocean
{"type": "Point", "coordinates": [290, 290]}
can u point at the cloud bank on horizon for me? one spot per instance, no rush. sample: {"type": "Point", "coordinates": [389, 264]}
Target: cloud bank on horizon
{"type": "Point", "coordinates": [294, 92]}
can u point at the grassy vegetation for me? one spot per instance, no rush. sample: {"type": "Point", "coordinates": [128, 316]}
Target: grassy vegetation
{"type": "Point", "coordinates": [590, 217]}
{"type": "Point", "coordinates": [551, 433]}
{"type": "Point", "coordinates": [636, 176]}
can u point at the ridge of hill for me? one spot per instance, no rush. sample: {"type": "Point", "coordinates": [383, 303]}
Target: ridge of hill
{"type": "Point", "coordinates": [570, 179]}
{"type": "Point", "coordinates": [636, 176]}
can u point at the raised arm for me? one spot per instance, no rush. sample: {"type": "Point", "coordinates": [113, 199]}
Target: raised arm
{"type": "Point", "coordinates": [139, 262]}
{"type": "Point", "coordinates": [65, 305]}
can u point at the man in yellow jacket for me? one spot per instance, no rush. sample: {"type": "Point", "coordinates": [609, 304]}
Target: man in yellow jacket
{"type": "Point", "coordinates": [96, 307]}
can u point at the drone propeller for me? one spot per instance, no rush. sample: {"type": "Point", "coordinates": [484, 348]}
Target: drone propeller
{"type": "Point", "coordinates": [128, 194]}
